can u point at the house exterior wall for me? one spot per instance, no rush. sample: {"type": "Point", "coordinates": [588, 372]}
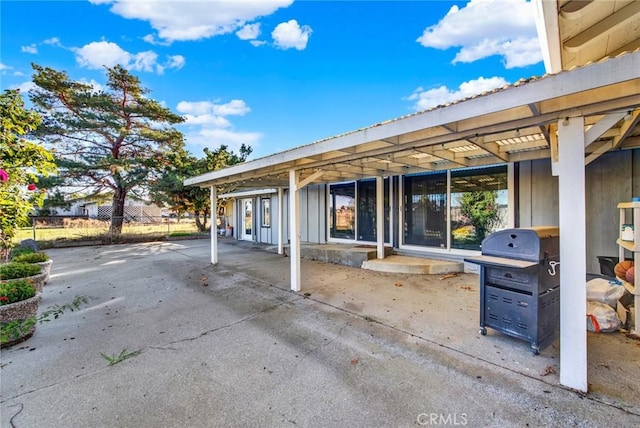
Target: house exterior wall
{"type": "Point", "coordinates": [612, 178]}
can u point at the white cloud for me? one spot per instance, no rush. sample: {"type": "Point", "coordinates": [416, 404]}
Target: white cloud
{"type": "Point", "coordinates": [32, 49]}
{"type": "Point", "coordinates": [195, 20]}
{"type": "Point", "coordinates": [52, 41]}
{"type": "Point", "coordinates": [151, 39]}
{"type": "Point", "coordinates": [96, 55]}
{"type": "Point", "coordinates": [232, 108]}
{"type": "Point", "coordinates": [198, 109]}
{"type": "Point", "coordinates": [428, 98]}
{"type": "Point", "coordinates": [4, 67]}
{"type": "Point", "coordinates": [18, 73]}
{"type": "Point", "coordinates": [484, 28]}
{"type": "Point", "coordinates": [208, 125]}
{"type": "Point", "coordinates": [249, 32]}
{"type": "Point", "coordinates": [289, 35]}
{"type": "Point", "coordinates": [257, 43]}
{"type": "Point", "coordinates": [175, 61]}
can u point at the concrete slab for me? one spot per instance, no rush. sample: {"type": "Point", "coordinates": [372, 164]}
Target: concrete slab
{"type": "Point", "coordinates": [229, 345]}
{"type": "Point", "coordinates": [413, 265]}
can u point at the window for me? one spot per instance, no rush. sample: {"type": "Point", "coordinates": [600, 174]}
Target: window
{"type": "Point", "coordinates": [478, 205]}
{"type": "Point", "coordinates": [342, 206]}
{"type": "Point", "coordinates": [266, 212]}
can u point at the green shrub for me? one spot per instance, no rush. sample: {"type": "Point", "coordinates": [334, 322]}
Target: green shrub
{"type": "Point", "coordinates": [14, 270]}
{"type": "Point", "coordinates": [38, 257]}
{"type": "Point", "coordinates": [18, 251]}
{"type": "Point", "coordinates": [16, 291]}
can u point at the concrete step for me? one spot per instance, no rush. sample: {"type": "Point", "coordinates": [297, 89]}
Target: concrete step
{"type": "Point", "coordinates": [341, 254]}
{"type": "Point", "coordinates": [413, 265]}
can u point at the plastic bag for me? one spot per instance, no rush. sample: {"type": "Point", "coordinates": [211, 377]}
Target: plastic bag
{"type": "Point", "coordinates": [601, 318]}
{"type": "Point", "coordinates": [604, 291]}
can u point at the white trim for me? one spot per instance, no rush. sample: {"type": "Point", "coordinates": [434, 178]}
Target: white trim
{"type": "Point", "coordinates": [256, 192]}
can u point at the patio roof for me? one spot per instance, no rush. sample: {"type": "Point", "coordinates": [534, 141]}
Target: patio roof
{"type": "Point", "coordinates": [514, 123]}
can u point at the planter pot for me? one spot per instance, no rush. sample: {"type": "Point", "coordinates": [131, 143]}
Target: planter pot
{"type": "Point", "coordinates": [20, 311]}
{"type": "Point", "coordinates": [37, 280]}
{"type": "Point", "coordinates": [45, 267]}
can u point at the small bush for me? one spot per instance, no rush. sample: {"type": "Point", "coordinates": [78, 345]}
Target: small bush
{"type": "Point", "coordinates": [16, 291]}
{"type": "Point", "coordinates": [18, 251]}
{"type": "Point", "coordinates": [14, 270]}
{"type": "Point", "coordinates": [38, 257]}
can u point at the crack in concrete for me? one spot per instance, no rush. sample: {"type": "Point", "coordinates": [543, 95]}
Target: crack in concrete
{"type": "Point", "coordinates": [231, 324]}
{"type": "Point", "coordinates": [188, 339]}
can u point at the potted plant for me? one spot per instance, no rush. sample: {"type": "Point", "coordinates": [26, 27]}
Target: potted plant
{"type": "Point", "coordinates": [17, 270]}
{"type": "Point", "coordinates": [39, 258]}
{"type": "Point", "coordinates": [19, 302]}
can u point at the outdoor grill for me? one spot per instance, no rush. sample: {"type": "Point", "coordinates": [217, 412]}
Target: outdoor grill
{"type": "Point", "coordinates": [520, 284]}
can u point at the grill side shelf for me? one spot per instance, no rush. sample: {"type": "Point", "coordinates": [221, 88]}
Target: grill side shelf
{"type": "Point", "coordinates": [501, 262]}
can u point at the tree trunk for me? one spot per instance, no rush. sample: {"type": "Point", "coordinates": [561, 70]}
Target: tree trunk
{"type": "Point", "coordinates": [201, 224]}
{"type": "Point", "coordinates": [117, 212]}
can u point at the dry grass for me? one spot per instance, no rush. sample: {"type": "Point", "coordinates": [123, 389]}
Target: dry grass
{"type": "Point", "coordinates": [90, 229]}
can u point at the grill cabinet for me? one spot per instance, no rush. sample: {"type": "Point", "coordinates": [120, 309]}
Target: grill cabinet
{"type": "Point", "coordinates": [520, 284]}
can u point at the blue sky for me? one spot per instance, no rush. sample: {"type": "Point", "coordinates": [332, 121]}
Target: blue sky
{"type": "Point", "coordinates": [277, 74]}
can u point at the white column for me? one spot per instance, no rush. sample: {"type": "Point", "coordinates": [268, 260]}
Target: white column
{"type": "Point", "coordinates": [294, 230]}
{"type": "Point", "coordinates": [380, 215]}
{"type": "Point", "coordinates": [280, 221]}
{"type": "Point", "coordinates": [573, 254]}
{"type": "Point", "coordinates": [214, 227]}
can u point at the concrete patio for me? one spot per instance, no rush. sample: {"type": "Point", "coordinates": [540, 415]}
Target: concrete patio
{"type": "Point", "coordinates": [230, 345]}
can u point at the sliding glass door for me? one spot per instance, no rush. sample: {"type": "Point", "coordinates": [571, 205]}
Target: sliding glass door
{"type": "Point", "coordinates": [353, 211]}
{"type": "Point", "coordinates": [478, 205]}
{"type": "Point", "coordinates": [425, 209]}
{"type": "Point", "coordinates": [342, 206]}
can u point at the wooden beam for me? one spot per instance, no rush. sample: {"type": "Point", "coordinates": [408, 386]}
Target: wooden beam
{"type": "Point", "coordinates": [309, 179]}
{"type": "Point", "coordinates": [603, 28]}
{"type": "Point", "coordinates": [602, 126]}
{"type": "Point", "coordinates": [553, 144]}
{"type": "Point", "coordinates": [599, 148]}
{"type": "Point", "coordinates": [627, 127]}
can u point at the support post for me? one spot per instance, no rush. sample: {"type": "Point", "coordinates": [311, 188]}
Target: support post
{"type": "Point", "coordinates": [214, 227]}
{"type": "Point", "coordinates": [573, 253]}
{"type": "Point", "coordinates": [380, 216]}
{"type": "Point", "coordinates": [294, 230]}
{"type": "Point", "coordinates": [280, 221]}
